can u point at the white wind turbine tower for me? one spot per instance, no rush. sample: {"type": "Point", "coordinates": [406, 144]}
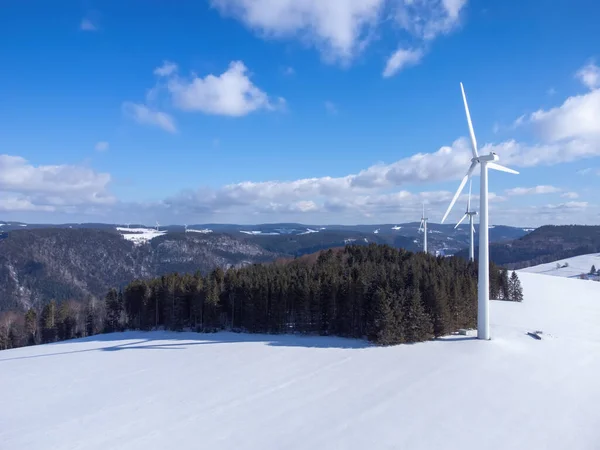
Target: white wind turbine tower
{"type": "Point", "coordinates": [423, 227]}
{"type": "Point", "coordinates": [485, 162]}
{"type": "Point", "coordinates": [471, 215]}
{"type": "Point", "coordinates": [157, 225]}
{"type": "Point", "coordinates": [185, 227]}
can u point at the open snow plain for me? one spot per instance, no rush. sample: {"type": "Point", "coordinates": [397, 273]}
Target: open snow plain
{"type": "Point", "coordinates": [159, 390]}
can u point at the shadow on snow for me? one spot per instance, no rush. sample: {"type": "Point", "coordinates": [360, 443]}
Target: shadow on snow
{"type": "Point", "coordinates": [155, 340]}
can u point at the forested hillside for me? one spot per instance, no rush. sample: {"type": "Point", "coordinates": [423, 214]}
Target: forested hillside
{"type": "Point", "coordinates": [379, 293]}
{"type": "Point", "coordinates": [39, 265]}
{"type": "Point", "coordinates": [545, 244]}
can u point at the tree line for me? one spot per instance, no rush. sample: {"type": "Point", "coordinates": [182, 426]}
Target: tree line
{"type": "Point", "coordinates": [375, 292]}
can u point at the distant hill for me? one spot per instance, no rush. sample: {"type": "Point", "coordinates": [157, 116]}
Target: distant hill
{"type": "Point", "coordinates": [545, 244]}
{"type": "Point", "coordinates": [43, 262]}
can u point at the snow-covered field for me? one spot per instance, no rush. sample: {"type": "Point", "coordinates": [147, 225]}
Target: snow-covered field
{"type": "Point", "coordinates": [157, 390]}
{"type": "Point", "coordinates": [140, 235]}
{"type": "Point", "coordinates": [576, 266]}
{"type": "Point", "coordinates": [203, 231]}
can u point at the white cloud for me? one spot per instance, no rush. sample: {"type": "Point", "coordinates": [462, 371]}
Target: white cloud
{"type": "Point", "coordinates": [577, 117]}
{"type": "Point", "coordinates": [589, 75]}
{"type": "Point", "coordinates": [400, 59]}
{"type": "Point", "coordinates": [337, 27]}
{"type": "Point", "coordinates": [144, 115]}
{"type": "Point", "coordinates": [230, 94]}
{"type": "Point", "coordinates": [427, 19]}
{"type": "Point", "coordinates": [568, 205]}
{"type": "Point", "coordinates": [331, 108]}
{"type": "Point", "coordinates": [87, 25]}
{"type": "Point", "coordinates": [543, 189]}
{"type": "Point", "coordinates": [101, 146]}
{"type": "Point", "coordinates": [168, 68]}
{"type": "Point", "coordinates": [289, 71]}
{"type": "Point", "coordinates": [570, 195]}
{"type": "Point", "coordinates": [342, 29]}
{"type": "Point", "coordinates": [50, 188]}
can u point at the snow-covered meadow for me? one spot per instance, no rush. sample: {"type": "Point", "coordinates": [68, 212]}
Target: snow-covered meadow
{"type": "Point", "coordinates": [157, 390]}
{"type": "Point", "coordinates": [569, 267]}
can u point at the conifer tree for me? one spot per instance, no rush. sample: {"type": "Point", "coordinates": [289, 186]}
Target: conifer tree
{"type": "Point", "coordinates": [516, 291]}
{"type": "Point", "coordinates": [48, 323]}
{"type": "Point", "coordinates": [418, 324]}
{"type": "Point", "coordinates": [31, 327]}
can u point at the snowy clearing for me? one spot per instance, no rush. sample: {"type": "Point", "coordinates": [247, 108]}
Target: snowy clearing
{"type": "Point", "coordinates": [157, 390]}
{"type": "Point", "coordinates": [259, 233]}
{"type": "Point", "coordinates": [309, 231]}
{"type": "Point", "coordinates": [204, 231]}
{"type": "Point", "coordinates": [140, 235]}
{"type": "Point", "coordinates": [577, 265]}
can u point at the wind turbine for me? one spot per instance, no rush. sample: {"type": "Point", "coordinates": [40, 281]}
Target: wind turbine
{"type": "Point", "coordinates": [157, 225]}
{"type": "Point", "coordinates": [485, 162]}
{"type": "Point", "coordinates": [185, 227]}
{"type": "Point", "coordinates": [423, 227]}
{"type": "Point", "coordinates": [471, 215]}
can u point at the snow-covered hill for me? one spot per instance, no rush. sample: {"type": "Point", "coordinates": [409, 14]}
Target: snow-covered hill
{"type": "Point", "coordinates": [570, 267]}
{"type": "Point", "coordinates": [156, 390]}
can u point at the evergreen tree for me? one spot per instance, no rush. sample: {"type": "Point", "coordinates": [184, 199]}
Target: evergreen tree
{"type": "Point", "coordinates": [418, 324]}
{"type": "Point", "coordinates": [376, 292]}
{"type": "Point", "coordinates": [113, 302]}
{"type": "Point", "coordinates": [593, 270]}
{"type": "Point", "coordinates": [516, 291]}
{"type": "Point", "coordinates": [504, 289]}
{"type": "Point", "coordinates": [31, 327]}
{"type": "Point", "coordinates": [48, 323]}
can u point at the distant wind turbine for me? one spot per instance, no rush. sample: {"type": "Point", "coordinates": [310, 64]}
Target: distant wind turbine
{"type": "Point", "coordinates": [485, 162]}
{"type": "Point", "coordinates": [185, 227]}
{"type": "Point", "coordinates": [470, 214]}
{"type": "Point", "coordinates": [423, 227]}
{"type": "Point", "coordinates": [157, 226]}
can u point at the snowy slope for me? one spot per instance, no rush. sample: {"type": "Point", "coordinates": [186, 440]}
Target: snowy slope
{"type": "Point", "coordinates": [576, 266]}
{"type": "Point", "coordinates": [157, 390]}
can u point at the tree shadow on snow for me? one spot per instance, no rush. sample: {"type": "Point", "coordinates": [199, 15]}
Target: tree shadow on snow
{"type": "Point", "coordinates": [172, 340]}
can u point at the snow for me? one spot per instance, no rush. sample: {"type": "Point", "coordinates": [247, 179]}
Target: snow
{"type": "Point", "coordinates": [157, 390]}
{"type": "Point", "coordinates": [140, 235]}
{"type": "Point", "coordinates": [259, 233]}
{"type": "Point", "coordinates": [376, 231]}
{"type": "Point", "coordinates": [576, 266]}
{"type": "Point", "coordinates": [204, 231]}
{"type": "Point", "coordinates": [396, 227]}
{"type": "Point", "coordinates": [309, 231]}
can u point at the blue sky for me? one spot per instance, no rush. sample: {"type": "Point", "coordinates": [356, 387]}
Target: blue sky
{"type": "Point", "coordinates": [278, 110]}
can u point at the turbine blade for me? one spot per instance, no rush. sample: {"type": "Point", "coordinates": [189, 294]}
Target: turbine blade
{"type": "Point", "coordinates": [473, 226]}
{"type": "Point", "coordinates": [495, 166]}
{"type": "Point", "coordinates": [421, 225]}
{"type": "Point", "coordinates": [471, 131]}
{"type": "Point", "coordinates": [460, 221]}
{"type": "Point", "coordinates": [460, 188]}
